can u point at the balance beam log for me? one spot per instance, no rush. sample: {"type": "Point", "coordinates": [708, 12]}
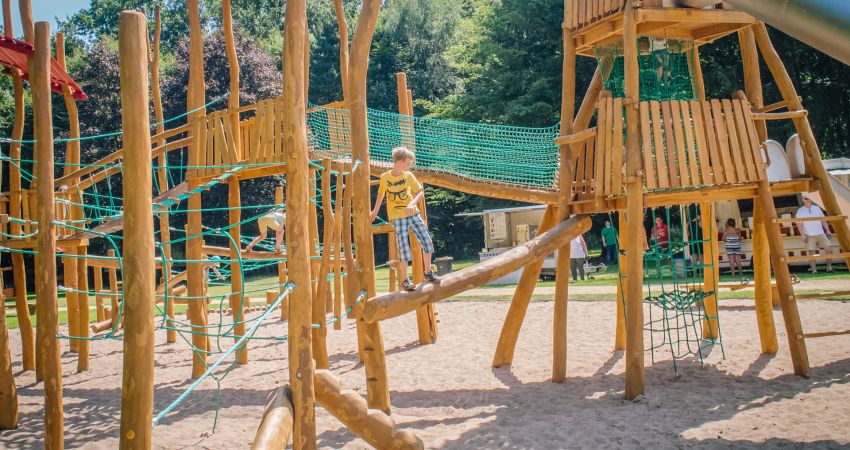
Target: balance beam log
{"type": "Point", "coordinates": [397, 303]}
{"type": "Point", "coordinates": [372, 425]}
{"type": "Point", "coordinates": [276, 426]}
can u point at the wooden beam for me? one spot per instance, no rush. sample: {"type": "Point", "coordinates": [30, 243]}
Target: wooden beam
{"type": "Point", "coordinates": [506, 346]}
{"type": "Point", "coordinates": [47, 310]}
{"type": "Point", "coordinates": [691, 15]}
{"type": "Point", "coordinates": [394, 304]}
{"type": "Point", "coordinates": [817, 257]}
{"type": "Point", "coordinates": [575, 138]}
{"type": "Point", "coordinates": [8, 390]}
{"type": "Point", "coordinates": [276, 425]}
{"type": "Point", "coordinates": [784, 115]}
{"type": "Point", "coordinates": [374, 427]}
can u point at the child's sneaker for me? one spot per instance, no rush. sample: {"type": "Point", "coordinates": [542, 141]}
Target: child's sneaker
{"type": "Point", "coordinates": [408, 285]}
{"type": "Point", "coordinates": [431, 277]}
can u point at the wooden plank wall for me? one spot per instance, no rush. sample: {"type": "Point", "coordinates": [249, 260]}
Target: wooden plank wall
{"type": "Point", "coordinates": [685, 144]}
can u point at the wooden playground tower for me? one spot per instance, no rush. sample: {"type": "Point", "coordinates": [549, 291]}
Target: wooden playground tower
{"type": "Point", "coordinates": [640, 154]}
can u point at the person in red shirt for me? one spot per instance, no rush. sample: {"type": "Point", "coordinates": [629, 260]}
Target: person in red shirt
{"type": "Point", "coordinates": [661, 234]}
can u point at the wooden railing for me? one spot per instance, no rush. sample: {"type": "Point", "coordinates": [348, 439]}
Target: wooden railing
{"type": "Point", "coordinates": [588, 12]}
{"type": "Point", "coordinates": [684, 144]}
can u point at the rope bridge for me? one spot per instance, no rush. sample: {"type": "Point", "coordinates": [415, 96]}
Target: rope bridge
{"type": "Point", "coordinates": [490, 153]}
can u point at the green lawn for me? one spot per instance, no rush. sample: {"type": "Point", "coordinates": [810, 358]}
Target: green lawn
{"type": "Point", "coordinates": [256, 287]}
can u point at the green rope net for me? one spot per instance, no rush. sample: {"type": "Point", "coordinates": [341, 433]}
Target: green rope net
{"type": "Point", "coordinates": [482, 152]}
{"type": "Point", "coordinates": [664, 70]}
{"type": "Point", "coordinates": [674, 290]}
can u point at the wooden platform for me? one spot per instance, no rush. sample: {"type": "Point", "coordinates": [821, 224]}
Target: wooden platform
{"type": "Point", "coordinates": [599, 22]}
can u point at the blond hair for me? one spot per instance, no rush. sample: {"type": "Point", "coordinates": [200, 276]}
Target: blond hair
{"type": "Point", "coordinates": [402, 154]}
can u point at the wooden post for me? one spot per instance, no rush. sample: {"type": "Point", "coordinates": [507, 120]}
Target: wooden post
{"type": "Point", "coordinates": [195, 271]}
{"type": "Point", "coordinates": [807, 137]}
{"type": "Point", "coordinates": [371, 344]}
{"type": "Point", "coordinates": [752, 76]}
{"type": "Point", "coordinates": [113, 289]}
{"type": "Point", "coordinates": [313, 222]}
{"type": "Point", "coordinates": [405, 107]}
{"type": "Point", "coordinates": [233, 64]}
{"type": "Point", "coordinates": [350, 285]}
{"type": "Point", "coordinates": [337, 255]}
{"type": "Point", "coordinates": [83, 309]}
{"type": "Point", "coordinates": [74, 301]}
{"type": "Point", "coordinates": [711, 271]}
{"type": "Point", "coordinates": [161, 172]}
{"type": "Point", "coordinates": [506, 346]}
{"type": "Point", "coordinates": [8, 391]}
{"type": "Point", "coordinates": [98, 298]}
{"type": "Point", "coordinates": [301, 366]}
{"type": "Point", "coordinates": [281, 265]}
{"type": "Point", "coordinates": [634, 210]}
{"type": "Point", "coordinates": [47, 310]}
{"type": "Point", "coordinates": [620, 331]}
{"type": "Point", "coordinates": [19, 274]}
{"type": "Point", "coordinates": [696, 68]}
{"type": "Point", "coordinates": [320, 334]}
{"type": "Point", "coordinates": [234, 215]}
{"type": "Point", "coordinates": [392, 253]}
{"type": "Point", "coordinates": [138, 258]}
{"type": "Point", "coordinates": [764, 294]}
{"type": "Point", "coordinates": [342, 22]}
{"type": "Point", "coordinates": [565, 188]}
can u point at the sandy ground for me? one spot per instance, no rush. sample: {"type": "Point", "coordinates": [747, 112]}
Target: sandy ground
{"type": "Point", "coordinates": [448, 394]}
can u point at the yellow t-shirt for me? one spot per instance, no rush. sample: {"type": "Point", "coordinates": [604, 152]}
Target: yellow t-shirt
{"type": "Point", "coordinates": [399, 190]}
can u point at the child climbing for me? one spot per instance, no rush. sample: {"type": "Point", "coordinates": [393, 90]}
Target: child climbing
{"type": "Point", "coordinates": [276, 220]}
{"type": "Point", "coordinates": [732, 238]}
{"type": "Point", "coordinates": [403, 192]}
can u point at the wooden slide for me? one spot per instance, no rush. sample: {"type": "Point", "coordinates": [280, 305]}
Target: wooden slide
{"type": "Point", "coordinates": [397, 303]}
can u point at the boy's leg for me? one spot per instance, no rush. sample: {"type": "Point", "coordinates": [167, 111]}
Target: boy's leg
{"type": "Point", "coordinates": [404, 254]}
{"type": "Point", "coordinates": [581, 268]}
{"type": "Point", "coordinates": [424, 239]}
{"type": "Point", "coordinates": [573, 269]}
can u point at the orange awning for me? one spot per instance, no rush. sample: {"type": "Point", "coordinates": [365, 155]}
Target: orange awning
{"type": "Point", "coordinates": [14, 54]}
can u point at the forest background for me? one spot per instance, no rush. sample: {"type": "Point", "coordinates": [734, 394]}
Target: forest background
{"type": "Point", "coordinates": [489, 61]}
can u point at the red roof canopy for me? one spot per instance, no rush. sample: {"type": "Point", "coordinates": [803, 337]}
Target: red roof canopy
{"type": "Point", "coordinates": [14, 54]}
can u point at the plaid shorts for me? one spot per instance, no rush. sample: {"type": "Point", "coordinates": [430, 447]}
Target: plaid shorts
{"type": "Point", "coordinates": [419, 230]}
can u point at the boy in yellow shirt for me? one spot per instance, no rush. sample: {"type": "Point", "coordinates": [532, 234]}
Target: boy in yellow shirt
{"type": "Point", "coordinates": [403, 192]}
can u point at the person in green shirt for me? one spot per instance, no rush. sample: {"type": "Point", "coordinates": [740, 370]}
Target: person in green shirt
{"type": "Point", "coordinates": [609, 243]}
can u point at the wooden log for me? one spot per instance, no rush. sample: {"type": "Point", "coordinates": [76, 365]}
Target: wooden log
{"type": "Point", "coordinates": [98, 289]}
{"type": "Point", "coordinates": [752, 76]}
{"type": "Point", "coordinates": [397, 303]}
{"type": "Point", "coordinates": [313, 224]}
{"type": "Point", "coordinates": [8, 391]}
{"type": "Point", "coordinates": [301, 367]}
{"type": "Point", "coordinates": [45, 261]}
{"type": "Point", "coordinates": [565, 177]}
{"type": "Point", "coordinates": [814, 164]}
{"type": "Point", "coordinates": [375, 427]}
{"type": "Point", "coordinates": [69, 277]}
{"type": "Point", "coordinates": [342, 23]}
{"type": "Point", "coordinates": [711, 272]}
{"type": "Point", "coordinates": [634, 210]}
{"type": "Point", "coordinates": [506, 346]}
{"type": "Point", "coordinates": [276, 425]}
{"type": "Point", "coordinates": [138, 259]}
{"type": "Point", "coordinates": [350, 284]}
{"type": "Point", "coordinates": [764, 291]}
{"type": "Point", "coordinates": [370, 342]}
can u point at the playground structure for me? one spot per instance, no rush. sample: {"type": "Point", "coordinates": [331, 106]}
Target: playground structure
{"type": "Point", "coordinates": [658, 142]}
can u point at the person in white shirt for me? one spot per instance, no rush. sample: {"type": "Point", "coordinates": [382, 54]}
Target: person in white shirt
{"type": "Point", "coordinates": [274, 220]}
{"type": "Point", "coordinates": [815, 233]}
{"type": "Point", "coordinates": [578, 253]}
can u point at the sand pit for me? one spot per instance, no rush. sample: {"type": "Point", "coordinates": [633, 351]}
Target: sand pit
{"type": "Point", "coordinates": [448, 394]}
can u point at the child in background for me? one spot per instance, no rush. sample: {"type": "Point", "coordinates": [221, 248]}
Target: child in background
{"type": "Point", "coordinates": [403, 192]}
{"type": "Point", "coordinates": [578, 255]}
{"type": "Point", "coordinates": [732, 238]}
{"type": "Point", "coordinates": [275, 220]}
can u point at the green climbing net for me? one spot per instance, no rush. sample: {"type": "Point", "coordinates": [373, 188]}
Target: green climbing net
{"type": "Point", "coordinates": [482, 152]}
{"type": "Point", "coordinates": [674, 289]}
{"type": "Point", "coordinates": [664, 70]}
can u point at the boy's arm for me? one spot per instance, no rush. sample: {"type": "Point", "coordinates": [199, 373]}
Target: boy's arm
{"type": "Point", "coordinates": [378, 202]}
